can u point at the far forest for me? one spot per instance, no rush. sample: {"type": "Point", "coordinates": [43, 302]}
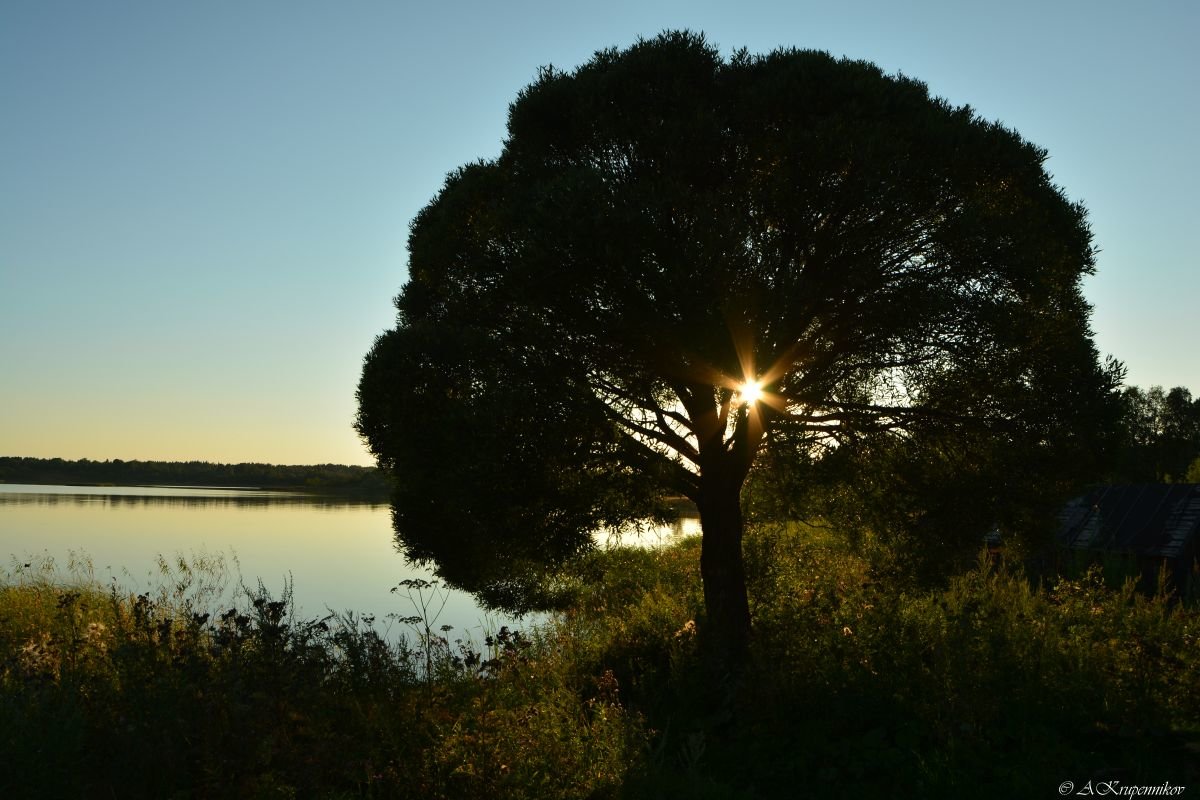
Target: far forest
{"type": "Point", "coordinates": [115, 472]}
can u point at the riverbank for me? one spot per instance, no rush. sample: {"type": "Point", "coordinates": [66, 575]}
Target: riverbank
{"type": "Point", "coordinates": [855, 688]}
{"type": "Point", "coordinates": [324, 478]}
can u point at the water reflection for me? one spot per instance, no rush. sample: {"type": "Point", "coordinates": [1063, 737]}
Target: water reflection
{"type": "Point", "coordinates": [336, 551]}
{"type": "Point", "coordinates": [129, 496]}
{"type": "Point", "coordinates": [339, 552]}
{"type": "Point", "coordinates": [686, 524]}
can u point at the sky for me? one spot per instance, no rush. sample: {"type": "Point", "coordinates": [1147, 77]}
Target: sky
{"type": "Point", "coordinates": [204, 206]}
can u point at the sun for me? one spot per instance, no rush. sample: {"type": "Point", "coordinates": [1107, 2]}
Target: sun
{"type": "Point", "coordinates": [750, 392]}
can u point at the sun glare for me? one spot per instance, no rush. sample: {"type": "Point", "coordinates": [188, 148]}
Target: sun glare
{"type": "Point", "coordinates": [751, 392]}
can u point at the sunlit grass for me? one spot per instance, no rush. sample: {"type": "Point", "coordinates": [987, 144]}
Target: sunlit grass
{"type": "Point", "coordinates": [855, 685]}
{"type": "Point", "coordinates": [105, 692]}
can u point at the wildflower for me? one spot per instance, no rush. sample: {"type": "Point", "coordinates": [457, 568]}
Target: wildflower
{"type": "Point", "coordinates": [38, 655]}
{"type": "Point", "coordinates": [687, 631]}
{"type": "Point", "coordinates": [96, 635]}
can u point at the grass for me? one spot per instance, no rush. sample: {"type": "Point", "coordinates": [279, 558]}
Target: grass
{"type": "Point", "coordinates": [857, 686]}
{"type": "Point", "coordinates": [107, 694]}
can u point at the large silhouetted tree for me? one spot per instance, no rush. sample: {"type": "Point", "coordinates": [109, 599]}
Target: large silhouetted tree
{"type": "Point", "coordinates": [586, 315]}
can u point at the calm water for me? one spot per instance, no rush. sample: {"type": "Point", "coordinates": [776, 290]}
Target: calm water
{"type": "Point", "coordinates": [339, 553]}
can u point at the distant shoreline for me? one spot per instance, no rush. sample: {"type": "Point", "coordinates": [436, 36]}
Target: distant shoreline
{"type": "Point", "coordinates": [319, 478]}
{"type": "Point", "coordinates": [111, 485]}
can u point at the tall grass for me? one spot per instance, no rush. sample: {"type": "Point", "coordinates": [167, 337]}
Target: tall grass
{"type": "Point", "coordinates": [860, 684]}
{"type": "Point", "coordinates": [991, 685]}
{"type": "Point", "coordinates": [857, 685]}
{"type": "Point", "coordinates": [105, 694]}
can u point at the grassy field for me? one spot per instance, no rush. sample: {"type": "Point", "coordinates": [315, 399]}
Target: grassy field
{"type": "Point", "coordinates": [857, 686]}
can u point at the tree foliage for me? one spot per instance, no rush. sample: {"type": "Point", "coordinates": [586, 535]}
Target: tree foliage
{"type": "Point", "coordinates": [664, 225]}
{"type": "Point", "coordinates": [1160, 435]}
{"type": "Point", "coordinates": [318, 477]}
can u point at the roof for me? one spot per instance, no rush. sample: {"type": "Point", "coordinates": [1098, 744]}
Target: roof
{"type": "Point", "coordinates": [1156, 519]}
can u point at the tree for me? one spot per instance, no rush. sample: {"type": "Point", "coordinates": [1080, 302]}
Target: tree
{"type": "Point", "coordinates": [680, 264]}
{"type": "Point", "coordinates": [1161, 434]}
{"type": "Point", "coordinates": [1193, 473]}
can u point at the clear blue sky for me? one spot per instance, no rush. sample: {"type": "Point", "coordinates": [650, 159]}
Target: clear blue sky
{"type": "Point", "coordinates": [203, 206]}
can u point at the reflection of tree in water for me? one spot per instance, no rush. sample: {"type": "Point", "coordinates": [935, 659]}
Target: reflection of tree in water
{"type": "Point", "coordinates": [247, 500]}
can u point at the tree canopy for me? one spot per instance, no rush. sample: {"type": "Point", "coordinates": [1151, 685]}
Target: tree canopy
{"type": "Point", "coordinates": [317, 477]}
{"type": "Point", "coordinates": [682, 265]}
{"type": "Point", "coordinates": [1161, 435]}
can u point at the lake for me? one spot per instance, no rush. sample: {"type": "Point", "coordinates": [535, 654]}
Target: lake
{"type": "Point", "coordinates": [339, 552]}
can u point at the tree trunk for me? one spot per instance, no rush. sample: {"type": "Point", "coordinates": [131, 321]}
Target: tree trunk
{"type": "Point", "coordinates": [727, 631]}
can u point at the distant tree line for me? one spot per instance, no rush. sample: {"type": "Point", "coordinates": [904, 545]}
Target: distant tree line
{"type": "Point", "coordinates": [1160, 437]}
{"type": "Point", "coordinates": [319, 477]}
